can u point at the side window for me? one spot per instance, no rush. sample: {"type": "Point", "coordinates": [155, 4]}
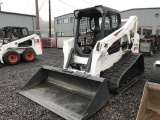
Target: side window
{"type": "Point", "coordinates": [59, 21]}
{"type": "Point", "coordinates": [58, 34]}
{"type": "Point", "coordinates": [24, 32]}
{"type": "Point", "coordinates": [62, 33]}
{"type": "Point", "coordinates": [114, 21]}
{"type": "Point", "coordinates": [65, 20]}
{"type": "Point", "coordinates": [15, 33]}
{"type": "Point", "coordinates": [107, 24]}
{"type": "Point", "coordinates": [92, 24]}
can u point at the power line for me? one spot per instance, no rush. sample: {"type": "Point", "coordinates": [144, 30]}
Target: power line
{"type": "Point", "coordinates": [42, 4]}
{"type": "Point", "coordinates": [86, 2]}
{"type": "Point", "coordinates": [68, 4]}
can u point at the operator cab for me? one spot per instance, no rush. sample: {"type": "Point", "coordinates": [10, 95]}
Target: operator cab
{"type": "Point", "coordinates": [9, 34]}
{"type": "Point", "coordinates": [94, 24]}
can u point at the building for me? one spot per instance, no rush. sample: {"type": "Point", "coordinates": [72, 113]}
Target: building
{"type": "Point", "coordinates": [148, 21]}
{"type": "Point", "coordinates": [63, 25]}
{"type": "Point", "coordinates": [63, 28]}
{"type": "Point", "coordinates": [19, 20]}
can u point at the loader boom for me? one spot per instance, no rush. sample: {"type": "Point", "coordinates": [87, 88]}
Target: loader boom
{"type": "Point", "coordinates": [105, 57]}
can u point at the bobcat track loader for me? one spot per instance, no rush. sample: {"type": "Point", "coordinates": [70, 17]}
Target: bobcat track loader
{"type": "Point", "coordinates": [100, 60]}
{"type": "Point", "coordinates": [150, 103]}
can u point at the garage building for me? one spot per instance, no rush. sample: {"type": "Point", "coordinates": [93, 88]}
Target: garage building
{"type": "Point", "coordinates": [148, 20]}
{"type": "Point", "coordinates": [19, 20]}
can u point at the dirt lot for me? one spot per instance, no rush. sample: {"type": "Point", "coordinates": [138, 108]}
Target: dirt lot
{"type": "Point", "coordinates": [14, 106]}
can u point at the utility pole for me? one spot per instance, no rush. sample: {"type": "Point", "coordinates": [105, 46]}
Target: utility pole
{"type": "Point", "coordinates": [49, 18]}
{"type": "Point", "coordinates": [37, 15]}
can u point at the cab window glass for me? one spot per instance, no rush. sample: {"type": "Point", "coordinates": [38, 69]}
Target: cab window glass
{"type": "Point", "coordinates": [107, 23]}
{"type": "Point", "coordinates": [24, 32]}
{"type": "Point", "coordinates": [114, 21]}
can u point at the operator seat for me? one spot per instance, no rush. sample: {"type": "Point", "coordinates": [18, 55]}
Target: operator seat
{"type": "Point", "coordinates": [15, 35]}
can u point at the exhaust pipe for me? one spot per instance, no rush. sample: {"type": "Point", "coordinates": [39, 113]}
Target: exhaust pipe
{"type": "Point", "coordinates": [71, 95]}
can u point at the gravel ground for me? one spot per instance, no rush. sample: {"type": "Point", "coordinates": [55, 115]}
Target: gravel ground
{"type": "Point", "coordinates": [14, 106]}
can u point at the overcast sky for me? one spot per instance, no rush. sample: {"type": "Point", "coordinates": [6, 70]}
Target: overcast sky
{"type": "Point", "coordinates": [60, 7]}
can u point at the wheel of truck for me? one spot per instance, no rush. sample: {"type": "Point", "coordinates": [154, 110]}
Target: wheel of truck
{"type": "Point", "coordinates": [12, 57]}
{"type": "Point", "coordinates": [29, 55]}
{"type": "Point", "coordinates": [155, 74]}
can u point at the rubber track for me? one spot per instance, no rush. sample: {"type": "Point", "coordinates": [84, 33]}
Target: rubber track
{"type": "Point", "coordinates": [114, 74]}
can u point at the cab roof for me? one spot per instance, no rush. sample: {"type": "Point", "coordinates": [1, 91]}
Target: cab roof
{"type": "Point", "coordinates": [93, 10]}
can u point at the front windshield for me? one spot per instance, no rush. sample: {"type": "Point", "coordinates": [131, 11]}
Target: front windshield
{"type": "Point", "coordinates": [88, 27]}
{"type": "Point", "coordinates": [94, 27]}
{"type": "Point", "coordinates": [85, 32]}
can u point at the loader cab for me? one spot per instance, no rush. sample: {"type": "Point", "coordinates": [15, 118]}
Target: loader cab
{"type": "Point", "coordinates": [4, 36]}
{"type": "Point", "coordinates": [9, 34]}
{"type": "Point", "coordinates": [93, 24]}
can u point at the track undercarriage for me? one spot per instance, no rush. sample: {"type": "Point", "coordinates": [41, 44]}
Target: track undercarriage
{"type": "Point", "coordinates": [124, 73]}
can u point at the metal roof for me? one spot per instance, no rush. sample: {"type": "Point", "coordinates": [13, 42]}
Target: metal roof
{"type": "Point", "coordinates": [104, 8]}
{"type": "Point", "coordinates": [95, 10]}
{"type": "Point", "coordinates": [16, 13]}
{"type": "Point", "coordinates": [63, 15]}
{"type": "Point", "coordinates": [140, 9]}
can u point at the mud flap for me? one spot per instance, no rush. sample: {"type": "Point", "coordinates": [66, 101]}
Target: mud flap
{"type": "Point", "coordinates": [71, 95]}
{"type": "Point", "coordinates": [150, 103]}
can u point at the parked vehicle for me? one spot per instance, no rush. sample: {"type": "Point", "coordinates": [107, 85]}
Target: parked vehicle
{"type": "Point", "coordinates": [101, 60]}
{"type": "Point", "coordinates": [15, 42]}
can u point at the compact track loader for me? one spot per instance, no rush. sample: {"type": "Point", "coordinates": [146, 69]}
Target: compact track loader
{"type": "Point", "coordinates": [16, 43]}
{"type": "Point", "coordinates": [100, 60]}
{"type": "Point", "coordinates": [150, 103]}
